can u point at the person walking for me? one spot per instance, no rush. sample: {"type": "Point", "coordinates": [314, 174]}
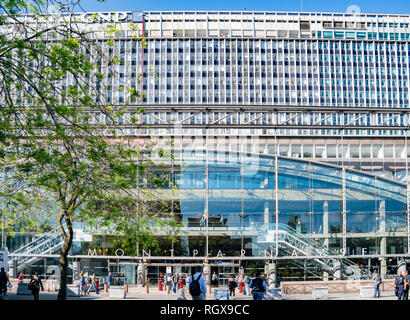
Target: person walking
{"type": "Point", "coordinates": [109, 279]}
{"type": "Point", "coordinates": [398, 283]}
{"type": "Point", "coordinates": [258, 286]}
{"type": "Point", "coordinates": [407, 285]}
{"type": "Point", "coordinates": [247, 290]}
{"type": "Point", "coordinates": [4, 280]}
{"type": "Point", "coordinates": [81, 285]}
{"type": "Point", "coordinates": [197, 285]}
{"type": "Point", "coordinates": [93, 284]}
{"type": "Point", "coordinates": [35, 285]}
{"type": "Point", "coordinates": [175, 282]}
{"type": "Point", "coordinates": [231, 286]}
{"type": "Point", "coordinates": [377, 282]}
{"type": "Point", "coordinates": [215, 279]}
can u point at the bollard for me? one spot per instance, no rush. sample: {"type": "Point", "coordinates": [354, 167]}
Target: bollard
{"type": "Point", "coordinates": [105, 287]}
{"type": "Point", "coordinates": [240, 287]}
{"type": "Point", "coordinates": [126, 288]}
{"type": "Point", "coordinates": [181, 284]}
{"type": "Point", "coordinates": [160, 285]}
{"type": "Point", "coordinates": [168, 289]}
{"type": "Point", "coordinates": [146, 288]}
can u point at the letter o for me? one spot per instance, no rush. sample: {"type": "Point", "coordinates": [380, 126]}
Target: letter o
{"type": "Point", "coordinates": [119, 250]}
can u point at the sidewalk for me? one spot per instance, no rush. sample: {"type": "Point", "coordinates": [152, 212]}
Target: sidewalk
{"type": "Point", "coordinates": [139, 294]}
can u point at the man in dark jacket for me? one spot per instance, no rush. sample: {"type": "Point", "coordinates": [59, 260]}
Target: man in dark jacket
{"type": "Point", "coordinates": [4, 280]}
{"type": "Point", "coordinates": [35, 285]}
{"type": "Point", "coordinates": [406, 286]}
{"type": "Point", "coordinates": [399, 283]}
{"type": "Point", "coordinates": [258, 286]}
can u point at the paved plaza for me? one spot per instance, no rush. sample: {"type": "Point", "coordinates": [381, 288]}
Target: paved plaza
{"type": "Point", "coordinates": [139, 294]}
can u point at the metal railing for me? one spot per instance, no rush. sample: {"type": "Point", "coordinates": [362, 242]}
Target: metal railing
{"type": "Point", "coordinates": [47, 243]}
{"type": "Point", "coordinates": [292, 243]}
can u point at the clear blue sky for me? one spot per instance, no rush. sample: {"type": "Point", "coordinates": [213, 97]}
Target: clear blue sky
{"type": "Point", "coordinates": [366, 6]}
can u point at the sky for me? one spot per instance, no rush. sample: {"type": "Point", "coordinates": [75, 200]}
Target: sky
{"type": "Point", "coordinates": [366, 6]}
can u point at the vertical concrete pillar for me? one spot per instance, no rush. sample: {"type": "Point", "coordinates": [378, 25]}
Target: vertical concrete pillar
{"type": "Point", "coordinates": [15, 268]}
{"type": "Point", "coordinates": [266, 216]}
{"type": "Point", "coordinates": [383, 240]}
{"type": "Point", "coordinates": [326, 232]}
{"type": "Point", "coordinates": [337, 270]}
{"type": "Point", "coordinates": [326, 223]}
{"type": "Point", "coordinates": [76, 270]}
{"type": "Point", "coordinates": [383, 266]}
{"type": "Point", "coordinates": [207, 274]}
{"type": "Point", "coordinates": [141, 274]}
{"type": "Point", "coordinates": [272, 273]}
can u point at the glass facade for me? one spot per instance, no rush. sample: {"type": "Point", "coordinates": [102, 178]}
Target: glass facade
{"type": "Point", "coordinates": [326, 97]}
{"type": "Point", "coordinates": [241, 202]}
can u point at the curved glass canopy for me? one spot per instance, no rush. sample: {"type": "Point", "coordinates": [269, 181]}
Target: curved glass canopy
{"type": "Point", "coordinates": [239, 194]}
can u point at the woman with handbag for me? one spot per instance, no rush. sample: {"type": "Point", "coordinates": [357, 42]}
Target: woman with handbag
{"type": "Point", "coordinates": [35, 285]}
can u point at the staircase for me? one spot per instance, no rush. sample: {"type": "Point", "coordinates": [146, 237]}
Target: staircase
{"type": "Point", "coordinates": [46, 244]}
{"type": "Point", "coordinates": [291, 243]}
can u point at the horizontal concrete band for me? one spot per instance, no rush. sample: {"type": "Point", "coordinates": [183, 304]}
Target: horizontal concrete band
{"type": "Point", "coordinates": [226, 258]}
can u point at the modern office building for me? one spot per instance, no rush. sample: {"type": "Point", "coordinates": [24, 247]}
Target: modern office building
{"type": "Point", "coordinates": [292, 128]}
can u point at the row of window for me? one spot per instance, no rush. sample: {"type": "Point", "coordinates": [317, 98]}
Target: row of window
{"type": "Point", "coordinates": [362, 35]}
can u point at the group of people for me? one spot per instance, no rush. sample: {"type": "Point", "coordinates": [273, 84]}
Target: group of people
{"type": "Point", "coordinates": [401, 284]}
{"type": "Point", "coordinates": [93, 284]}
{"type": "Point", "coordinates": [202, 220]}
{"type": "Point", "coordinates": [34, 285]}
{"type": "Point", "coordinates": [256, 286]}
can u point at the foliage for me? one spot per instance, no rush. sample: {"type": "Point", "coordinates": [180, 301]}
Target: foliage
{"type": "Point", "coordinates": [61, 134]}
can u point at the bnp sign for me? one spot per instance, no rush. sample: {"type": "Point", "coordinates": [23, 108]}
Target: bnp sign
{"type": "Point", "coordinates": [110, 17]}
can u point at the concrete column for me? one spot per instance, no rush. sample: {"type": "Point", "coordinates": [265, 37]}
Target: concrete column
{"type": "Point", "coordinates": [383, 240]}
{"type": "Point", "coordinates": [383, 266]}
{"type": "Point", "coordinates": [337, 270]}
{"type": "Point", "coordinates": [326, 232]}
{"type": "Point", "coordinates": [272, 273]}
{"type": "Point", "coordinates": [207, 274]}
{"type": "Point", "coordinates": [326, 223]}
{"type": "Point", "coordinates": [15, 268]}
{"type": "Point", "coordinates": [266, 216]}
{"type": "Point", "coordinates": [141, 274]}
{"type": "Point", "coordinates": [76, 270]}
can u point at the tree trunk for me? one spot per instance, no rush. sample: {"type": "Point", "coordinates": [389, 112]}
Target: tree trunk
{"type": "Point", "coordinates": [62, 293]}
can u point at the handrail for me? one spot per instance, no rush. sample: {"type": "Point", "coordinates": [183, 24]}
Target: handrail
{"type": "Point", "coordinates": [288, 238]}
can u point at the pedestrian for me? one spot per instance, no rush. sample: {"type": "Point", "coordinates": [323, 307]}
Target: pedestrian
{"type": "Point", "coordinates": [202, 222]}
{"type": "Point", "coordinates": [258, 286]}
{"type": "Point", "coordinates": [407, 285]}
{"type": "Point", "coordinates": [197, 285]}
{"type": "Point", "coordinates": [247, 290]}
{"type": "Point", "coordinates": [241, 282]}
{"type": "Point", "coordinates": [175, 282]}
{"type": "Point", "coordinates": [215, 279]}
{"type": "Point", "coordinates": [109, 279]}
{"type": "Point", "coordinates": [231, 286]}
{"type": "Point", "coordinates": [93, 284]}
{"type": "Point", "coordinates": [377, 282]}
{"type": "Point", "coordinates": [20, 278]}
{"type": "Point", "coordinates": [4, 280]}
{"type": "Point", "coordinates": [81, 285]}
{"type": "Point", "coordinates": [398, 283]}
{"type": "Point", "coordinates": [35, 285]}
